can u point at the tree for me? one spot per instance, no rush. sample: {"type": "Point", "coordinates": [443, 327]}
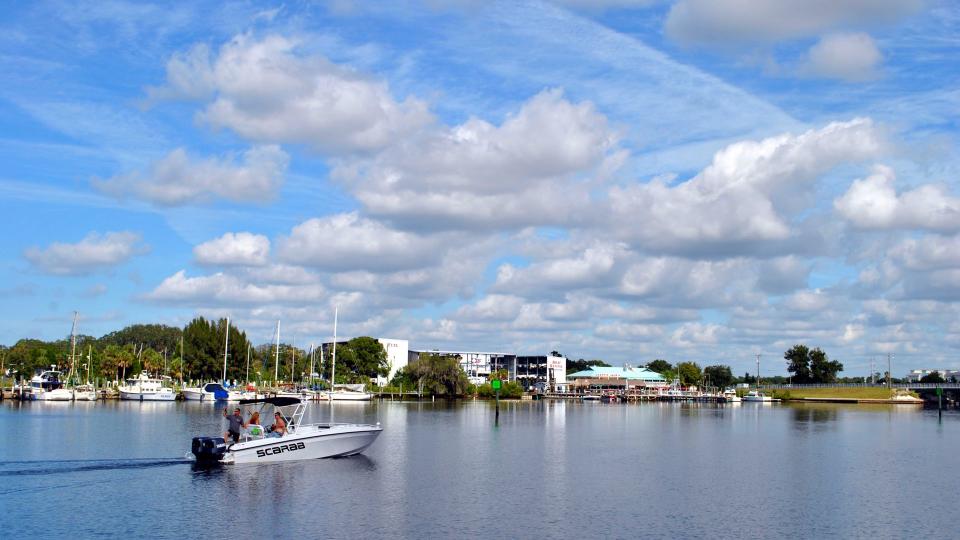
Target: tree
{"type": "Point", "coordinates": [370, 357]}
{"type": "Point", "coordinates": [689, 372]}
{"type": "Point", "coordinates": [798, 363]}
{"type": "Point", "coordinates": [660, 366]}
{"type": "Point", "coordinates": [822, 369]}
{"type": "Point", "coordinates": [436, 374]}
{"type": "Point", "coordinates": [719, 375]}
{"type": "Point", "coordinates": [574, 366]}
{"type": "Point", "coordinates": [932, 377]}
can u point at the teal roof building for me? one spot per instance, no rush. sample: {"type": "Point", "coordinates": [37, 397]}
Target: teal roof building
{"type": "Point", "coordinates": [639, 374]}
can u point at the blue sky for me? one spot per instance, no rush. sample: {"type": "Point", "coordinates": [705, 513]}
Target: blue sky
{"type": "Point", "coordinates": [623, 179]}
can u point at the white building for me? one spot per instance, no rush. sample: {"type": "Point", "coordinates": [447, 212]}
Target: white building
{"type": "Point", "coordinates": [917, 374]}
{"type": "Point", "coordinates": [397, 354]}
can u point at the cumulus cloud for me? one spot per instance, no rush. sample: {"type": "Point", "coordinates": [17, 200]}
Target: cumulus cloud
{"type": "Point", "coordinates": [596, 266]}
{"type": "Point", "coordinates": [849, 57]}
{"type": "Point", "coordinates": [227, 289]}
{"type": "Point", "coordinates": [768, 21]}
{"type": "Point", "coordinates": [751, 193]}
{"type": "Point", "coordinates": [234, 249]}
{"type": "Point", "coordinates": [268, 90]}
{"type": "Point", "coordinates": [95, 252]}
{"type": "Point", "coordinates": [873, 203]}
{"type": "Point", "coordinates": [179, 179]}
{"type": "Point", "coordinates": [349, 242]}
{"type": "Point", "coordinates": [480, 175]}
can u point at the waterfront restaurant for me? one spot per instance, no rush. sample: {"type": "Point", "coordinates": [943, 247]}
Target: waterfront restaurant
{"type": "Point", "coordinates": [623, 378]}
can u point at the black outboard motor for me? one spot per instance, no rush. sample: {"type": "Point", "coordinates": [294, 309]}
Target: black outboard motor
{"type": "Point", "coordinates": [208, 449]}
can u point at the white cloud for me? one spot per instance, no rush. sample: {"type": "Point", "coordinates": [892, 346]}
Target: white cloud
{"type": "Point", "coordinates": [849, 57]}
{"type": "Point", "coordinates": [930, 252]}
{"type": "Point", "coordinates": [873, 203]}
{"type": "Point", "coordinates": [595, 266]}
{"type": "Point", "coordinates": [234, 249]}
{"type": "Point", "coordinates": [226, 289]}
{"type": "Point", "coordinates": [751, 192]}
{"type": "Point", "coordinates": [349, 242]}
{"type": "Point", "coordinates": [178, 179]}
{"type": "Point", "coordinates": [480, 175]}
{"type": "Point", "coordinates": [268, 90]}
{"type": "Point", "coordinates": [94, 252]}
{"type": "Point", "coordinates": [769, 21]}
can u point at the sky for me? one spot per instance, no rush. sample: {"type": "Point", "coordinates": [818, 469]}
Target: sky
{"type": "Point", "coordinates": [694, 180]}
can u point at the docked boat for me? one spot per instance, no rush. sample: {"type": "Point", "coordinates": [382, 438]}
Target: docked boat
{"type": "Point", "coordinates": [300, 442]}
{"type": "Point", "coordinates": [729, 396]}
{"type": "Point", "coordinates": [757, 397]}
{"type": "Point", "coordinates": [208, 392]}
{"type": "Point", "coordinates": [348, 392]}
{"type": "Point", "coordinates": [145, 388]}
{"type": "Point", "coordinates": [84, 392]}
{"type": "Point", "coordinates": [46, 386]}
{"type": "Point", "coordinates": [589, 397]}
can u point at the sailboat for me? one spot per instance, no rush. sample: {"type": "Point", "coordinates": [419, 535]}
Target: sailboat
{"type": "Point", "coordinates": [343, 392]}
{"type": "Point", "coordinates": [79, 392]}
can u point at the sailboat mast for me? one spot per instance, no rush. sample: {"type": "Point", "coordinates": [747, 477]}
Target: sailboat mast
{"type": "Point", "coordinates": [248, 362]}
{"type": "Point", "coordinates": [333, 368]}
{"type": "Point", "coordinates": [226, 343]}
{"type": "Point", "coordinates": [73, 343]}
{"type": "Point", "coordinates": [89, 361]}
{"type": "Point", "coordinates": [276, 356]}
{"type": "Point", "coordinates": [181, 358]}
{"type": "Point", "coordinates": [311, 362]}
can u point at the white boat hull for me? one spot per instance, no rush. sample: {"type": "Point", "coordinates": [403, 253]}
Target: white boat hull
{"type": "Point", "coordinates": [147, 396]}
{"type": "Point", "coordinates": [310, 443]}
{"type": "Point", "coordinates": [60, 394]}
{"type": "Point", "coordinates": [84, 395]}
{"type": "Point", "coordinates": [349, 396]}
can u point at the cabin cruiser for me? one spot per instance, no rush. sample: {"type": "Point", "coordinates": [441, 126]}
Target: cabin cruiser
{"type": "Point", "coordinates": [301, 441]}
{"type": "Point", "coordinates": [145, 388]}
{"type": "Point", "coordinates": [730, 396]}
{"type": "Point", "coordinates": [207, 392]}
{"type": "Point", "coordinates": [757, 397]}
{"type": "Point", "coordinates": [46, 386]}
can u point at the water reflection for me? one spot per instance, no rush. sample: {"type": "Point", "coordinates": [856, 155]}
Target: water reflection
{"type": "Point", "coordinates": [813, 416]}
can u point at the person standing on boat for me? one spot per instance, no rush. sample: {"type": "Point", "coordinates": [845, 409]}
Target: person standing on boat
{"type": "Point", "coordinates": [236, 422]}
{"type": "Point", "coordinates": [279, 427]}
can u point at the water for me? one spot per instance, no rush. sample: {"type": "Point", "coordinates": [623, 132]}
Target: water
{"type": "Point", "coordinates": [442, 470]}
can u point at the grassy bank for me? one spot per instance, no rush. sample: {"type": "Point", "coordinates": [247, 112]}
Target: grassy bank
{"type": "Point", "coordinates": [833, 393]}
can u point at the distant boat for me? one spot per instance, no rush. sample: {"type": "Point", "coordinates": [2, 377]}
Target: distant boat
{"type": "Point", "coordinates": [349, 392]}
{"type": "Point", "coordinates": [84, 392]}
{"type": "Point", "coordinates": [730, 396]}
{"type": "Point", "coordinates": [589, 397]}
{"type": "Point", "coordinates": [757, 397]}
{"type": "Point", "coordinates": [208, 392]}
{"type": "Point", "coordinates": [146, 388]}
{"type": "Point", "coordinates": [46, 386]}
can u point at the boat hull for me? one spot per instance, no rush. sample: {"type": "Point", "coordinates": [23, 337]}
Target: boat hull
{"type": "Point", "coordinates": [349, 396]}
{"type": "Point", "coordinates": [84, 395]}
{"type": "Point", "coordinates": [60, 394]}
{"type": "Point", "coordinates": [335, 441]}
{"type": "Point", "coordinates": [143, 396]}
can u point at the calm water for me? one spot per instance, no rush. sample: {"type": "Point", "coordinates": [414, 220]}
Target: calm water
{"type": "Point", "coordinates": [439, 470]}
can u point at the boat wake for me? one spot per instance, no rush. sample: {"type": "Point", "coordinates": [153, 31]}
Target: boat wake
{"type": "Point", "coordinates": [51, 467]}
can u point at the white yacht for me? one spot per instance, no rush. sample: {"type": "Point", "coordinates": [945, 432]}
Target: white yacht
{"type": "Point", "coordinates": [301, 441]}
{"type": "Point", "coordinates": [757, 397]}
{"type": "Point", "coordinates": [46, 386]}
{"type": "Point", "coordinates": [145, 388]}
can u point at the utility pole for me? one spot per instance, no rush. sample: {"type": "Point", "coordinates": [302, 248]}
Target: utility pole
{"type": "Point", "coordinates": [873, 378]}
{"type": "Point", "coordinates": [889, 372]}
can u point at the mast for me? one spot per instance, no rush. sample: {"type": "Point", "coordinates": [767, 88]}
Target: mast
{"type": "Point", "coordinates": [333, 368]}
{"type": "Point", "coordinates": [73, 343]}
{"type": "Point", "coordinates": [311, 363]}
{"type": "Point", "coordinates": [89, 361]}
{"type": "Point", "coordinates": [248, 362]}
{"type": "Point", "coordinates": [758, 372]}
{"type": "Point", "coordinates": [276, 356]}
{"type": "Point", "coordinates": [181, 358]}
{"type": "Point", "coordinates": [226, 343]}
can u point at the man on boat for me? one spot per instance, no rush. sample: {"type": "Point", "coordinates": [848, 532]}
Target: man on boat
{"type": "Point", "coordinates": [279, 427]}
{"type": "Point", "coordinates": [236, 421]}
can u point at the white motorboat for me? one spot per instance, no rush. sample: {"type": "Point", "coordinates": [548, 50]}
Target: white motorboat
{"type": "Point", "coordinates": [757, 397]}
{"type": "Point", "coordinates": [348, 392]}
{"type": "Point", "coordinates": [46, 386]}
{"type": "Point", "coordinates": [301, 441]}
{"type": "Point", "coordinates": [590, 397]}
{"type": "Point", "coordinates": [145, 388]}
{"type": "Point", "coordinates": [84, 392]}
{"type": "Point", "coordinates": [208, 392]}
{"type": "Point", "coordinates": [730, 396]}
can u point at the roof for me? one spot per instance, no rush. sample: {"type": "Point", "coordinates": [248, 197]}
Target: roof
{"type": "Point", "coordinates": [629, 373]}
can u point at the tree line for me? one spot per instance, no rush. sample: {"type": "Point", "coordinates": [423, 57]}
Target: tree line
{"type": "Point", "coordinates": [195, 352]}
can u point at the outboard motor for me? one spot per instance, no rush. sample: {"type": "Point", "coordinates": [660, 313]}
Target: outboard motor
{"type": "Point", "coordinates": [208, 449]}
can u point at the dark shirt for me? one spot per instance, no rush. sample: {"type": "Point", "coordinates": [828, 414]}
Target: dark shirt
{"type": "Point", "coordinates": [235, 423]}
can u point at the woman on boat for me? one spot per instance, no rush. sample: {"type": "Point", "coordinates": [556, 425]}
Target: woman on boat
{"type": "Point", "coordinates": [254, 419]}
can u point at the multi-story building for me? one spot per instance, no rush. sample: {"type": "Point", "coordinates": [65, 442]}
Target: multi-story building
{"type": "Point", "coordinates": [477, 365]}
{"type": "Point", "coordinates": [541, 372]}
{"type": "Point", "coordinates": [947, 374]}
